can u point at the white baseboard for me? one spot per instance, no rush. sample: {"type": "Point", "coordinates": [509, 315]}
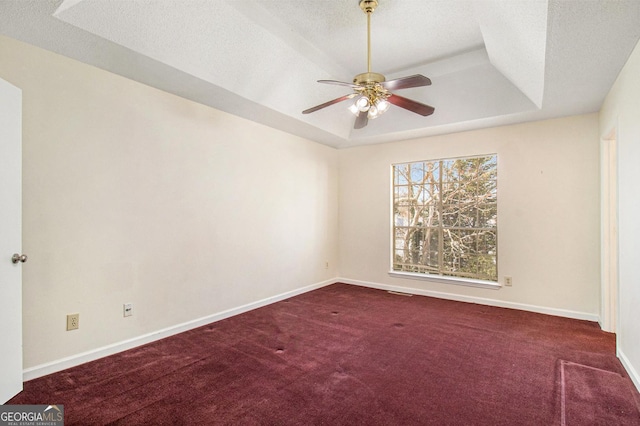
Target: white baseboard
{"type": "Point", "coordinates": [478, 300]}
{"type": "Point", "coordinates": [81, 358]}
{"type": "Point", "coordinates": [635, 377]}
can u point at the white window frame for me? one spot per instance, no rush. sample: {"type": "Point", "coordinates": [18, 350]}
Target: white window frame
{"type": "Point", "coordinates": [446, 279]}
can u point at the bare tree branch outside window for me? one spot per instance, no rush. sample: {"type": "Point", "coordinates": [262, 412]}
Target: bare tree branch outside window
{"type": "Point", "coordinates": [445, 217]}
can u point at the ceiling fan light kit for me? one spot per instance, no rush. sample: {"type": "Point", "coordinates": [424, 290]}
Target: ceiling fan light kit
{"type": "Point", "coordinates": [372, 92]}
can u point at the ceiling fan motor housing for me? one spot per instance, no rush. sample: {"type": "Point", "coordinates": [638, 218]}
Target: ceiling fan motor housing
{"type": "Point", "coordinates": [368, 78]}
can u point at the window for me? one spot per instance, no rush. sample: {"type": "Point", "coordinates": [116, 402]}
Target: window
{"type": "Point", "coordinates": [445, 217]}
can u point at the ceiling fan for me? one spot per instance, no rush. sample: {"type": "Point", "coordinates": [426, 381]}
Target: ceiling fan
{"type": "Point", "coordinates": [372, 91]}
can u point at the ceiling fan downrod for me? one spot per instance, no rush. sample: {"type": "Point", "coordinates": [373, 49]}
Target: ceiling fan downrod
{"type": "Point", "coordinates": [368, 6]}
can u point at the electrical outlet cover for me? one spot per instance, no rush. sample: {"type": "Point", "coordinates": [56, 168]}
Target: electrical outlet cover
{"type": "Point", "coordinates": [73, 322]}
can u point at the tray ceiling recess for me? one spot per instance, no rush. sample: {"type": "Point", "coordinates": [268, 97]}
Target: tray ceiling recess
{"type": "Point", "coordinates": [491, 63]}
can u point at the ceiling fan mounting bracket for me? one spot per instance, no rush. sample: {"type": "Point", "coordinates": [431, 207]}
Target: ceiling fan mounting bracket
{"type": "Point", "coordinates": [368, 6]}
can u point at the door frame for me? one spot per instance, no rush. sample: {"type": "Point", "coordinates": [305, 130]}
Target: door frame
{"type": "Point", "coordinates": [609, 231]}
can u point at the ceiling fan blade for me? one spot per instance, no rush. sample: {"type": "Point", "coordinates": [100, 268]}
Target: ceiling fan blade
{"type": "Point", "coordinates": [326, 104]}
{"type": "Point", "coordinates": [406, 82]}
{"type": "Point", "coordinates": [411, 105]}
{"type": "Point", "coordinates": [361, 120]}
{"type": "Point", "coordinates": [339, 83]}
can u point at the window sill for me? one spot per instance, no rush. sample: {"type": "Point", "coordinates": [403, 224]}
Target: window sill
{"type": "Point", "coordinates": [446, 280]}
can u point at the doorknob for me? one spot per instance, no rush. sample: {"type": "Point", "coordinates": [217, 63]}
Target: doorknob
{"type": "Point", "coordinates": [19, 258]}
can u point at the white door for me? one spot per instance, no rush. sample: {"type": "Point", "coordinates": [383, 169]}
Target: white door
{"type": "Point", "coordinates": [10, 240]}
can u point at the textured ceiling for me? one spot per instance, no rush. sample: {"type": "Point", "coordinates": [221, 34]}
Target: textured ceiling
{"type": "Point", "coordinates": [491, 62]}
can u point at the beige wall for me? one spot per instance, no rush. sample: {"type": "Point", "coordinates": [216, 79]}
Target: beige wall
{"type": "Point", "coordinates": [548, 191]}
{"type": "Point", "coordinates": [135, 195]}
{"type": "Point", "coordinates": [621, 113]}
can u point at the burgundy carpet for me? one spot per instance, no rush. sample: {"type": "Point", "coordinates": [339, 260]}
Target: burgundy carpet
{"type": "Point", "coordinates": [347, 355]}
{"type": "Point", "coordinates": [584, 389]}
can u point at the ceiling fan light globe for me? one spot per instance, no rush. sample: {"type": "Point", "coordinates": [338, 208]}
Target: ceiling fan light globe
{"type": "Point", "coordinates": [363, 104]}
{"type": "Point", "coordinates": [373, 112]}
{"type": "Point", "coordinates": [382, 106]}
{"type": "Point", "coordinates": [354, 109]}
